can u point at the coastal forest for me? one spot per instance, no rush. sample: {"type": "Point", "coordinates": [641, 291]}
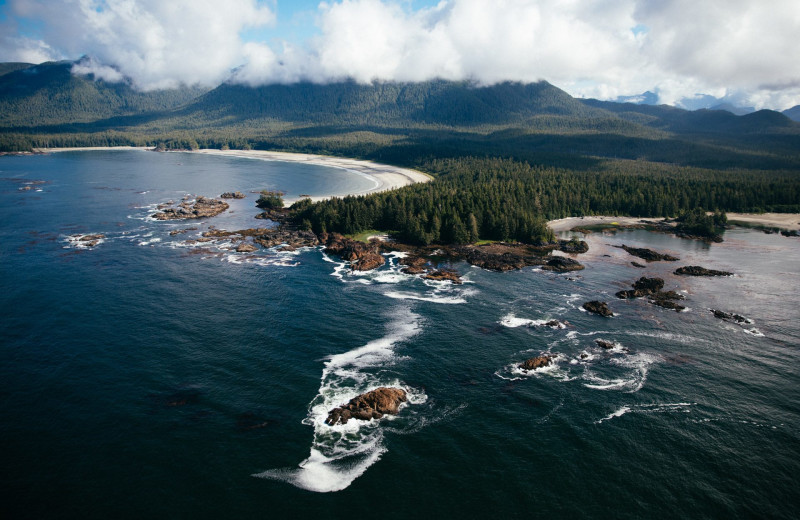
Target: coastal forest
{"type": "Point", "coordinates": [505, 158]}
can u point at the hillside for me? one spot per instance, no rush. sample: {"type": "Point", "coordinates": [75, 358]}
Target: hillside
{"type": "Point", "coordinates": [49, 94]}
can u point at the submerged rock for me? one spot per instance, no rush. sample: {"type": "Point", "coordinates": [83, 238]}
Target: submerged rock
{"type": "Point", "coordinates": [696, 270]}
{"type": "Point", "coordinates": [732, 317]}
{"type": "Point", "coordinates": [536, 362]}
{"type": "Point", "coordinates": [598, 307]}
{"type": "Point", "coordinates": [371, 405]}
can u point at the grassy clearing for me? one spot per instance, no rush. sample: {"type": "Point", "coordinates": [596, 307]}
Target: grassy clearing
{"type": "Point", "coordinates": [364, 235]}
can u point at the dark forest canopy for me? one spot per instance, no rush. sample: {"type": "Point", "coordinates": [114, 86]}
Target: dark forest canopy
{"type": "Point", "coordinates": [506, 157]}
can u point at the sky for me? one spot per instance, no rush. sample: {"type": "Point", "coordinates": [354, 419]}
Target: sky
{"type": "Point", "coordinates": [746, 52]}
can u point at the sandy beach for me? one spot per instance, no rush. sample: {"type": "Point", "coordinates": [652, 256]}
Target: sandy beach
{"type": "Point", "coordinates": [385, 177]}
{"type": "Point", "coordinates": [779, 220]}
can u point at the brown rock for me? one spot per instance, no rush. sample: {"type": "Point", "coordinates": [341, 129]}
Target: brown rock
{"type": "Point", "coordinates": [444, 274]}
{"type": "Point", "coordinates": [536, 362]}
{"type": "Point", "coordinates": [604, 344]}
{"type": "Point", "coordinates": [598, 307]}
{"type": "Point", "coordinates": [367, 262]}
{"type": "Point", "coordinates": [244, 247]}
{"type": "Point", "coordinates": [371, 405]}
{"type": "Point", "coordinates": [202, 208]}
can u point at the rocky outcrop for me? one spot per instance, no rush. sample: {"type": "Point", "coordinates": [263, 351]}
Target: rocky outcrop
{"type": "Point", "coordinates": [244, 247]}
{"type": "Point", "coordinates": [598, 307]}
{"type": "Point", "coordinates": [363, 256]}
{"type": "Point", "coordinates": [536, 362]}
{"type": "Point", "coordinates": [444, 275]}
{"type": "Point", "coordinates": [371, 405]}
{"type": "Point", "coordinates": [637, 264]}
{"type": "Point", "coordinates": [652, 289]}
{"type": "Point", "coordinates": [203, 207]}
{"type": "Point", "coordinates": [607, 345]}
{"type": "Point", "coordinates": [555, 324]}
{"type": "Point", "coordinates": [291, 239]}
{"type": "Point", "coordinates": [86, 240]}
{"type": "Point", "coordinates": [732, 317]}
{"type": "Point", "coordinates": [413, 264]}
{"type": "Point", "coordinates": [648, 254]}
{"type": "Point", "coordinates": [562, 264]}
{"type": "Point", "coordinates": [696, 270]}
{"type": "Point", "coordinates": [573, 246]}
{"type": "Point", "coordinates": [367, 262]}
{"type": "Point", "coordinates": [232, 195]}
{"type": "Point", "coordinates": [181, 231]}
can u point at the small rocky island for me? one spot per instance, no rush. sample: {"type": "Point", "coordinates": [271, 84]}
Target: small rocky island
{"type": "Point", "coordinates": [371, 405]}
{"type": "Point", "coordinates": [648, 255]}
{"type": "Point", "coordinates": [536, 362]}
{"type": "Point", "coordinates": [598, 307]}
{"type": "Point", "coordinates": [201, 208]}
{"type": "Point", "coordinates": [696, 270]}
{"type": "Point", "coordinates": [652, 289]}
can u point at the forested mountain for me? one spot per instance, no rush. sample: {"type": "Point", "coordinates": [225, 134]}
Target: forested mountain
{"type": "Point", "coordinates": [792, 113]}
{"type": "Point", "coordinates": [437, 102]}
{"type": "Point", "coordinates": [50, 94]}
{"type": "Point", "coordinates": [702, 121]}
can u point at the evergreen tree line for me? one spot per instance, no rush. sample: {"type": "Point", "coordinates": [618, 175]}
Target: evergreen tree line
{"type": "Point", "coordinates": [503, 199]}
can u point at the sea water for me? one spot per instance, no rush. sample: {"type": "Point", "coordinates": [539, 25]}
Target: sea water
{"type": "Point", "coordinates": [148, 377]}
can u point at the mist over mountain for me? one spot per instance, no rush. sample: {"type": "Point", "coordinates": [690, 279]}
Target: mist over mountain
{"type": "Point", "coordinates": [51, 93]}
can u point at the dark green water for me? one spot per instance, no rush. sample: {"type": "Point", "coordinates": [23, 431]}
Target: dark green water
{"type": "Point", "coordinates": [139, 380]}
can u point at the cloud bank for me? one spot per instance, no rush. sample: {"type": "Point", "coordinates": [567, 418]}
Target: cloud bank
{"type": "Point", "coordinates": [745, 51]}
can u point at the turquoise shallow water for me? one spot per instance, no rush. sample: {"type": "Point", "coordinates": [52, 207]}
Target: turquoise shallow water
{"type": "Point", "coordinates": [140, 378]}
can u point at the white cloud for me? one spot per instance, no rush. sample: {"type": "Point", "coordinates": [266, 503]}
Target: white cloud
{"type": "Point", "coordinates": [156, 43]}
{"type": "Point", "coordinates": [745, 50]}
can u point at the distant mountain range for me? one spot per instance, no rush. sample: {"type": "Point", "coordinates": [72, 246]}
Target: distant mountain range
{"type": "Point", "coordinates": [50, 94]}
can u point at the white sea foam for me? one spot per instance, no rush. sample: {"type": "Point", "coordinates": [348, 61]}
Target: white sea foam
{"type": "Point", "coordinates": [638, 366]}
{"type": "Point", "coordinates": [150, 242]}
{"type": "Point", "coordinates": [511, 321]}
{"type": "Point", "coordinates": [649, 408]}
{"type": "Point", "coordinates": [341, 453]}
{"type": "Point", "coordinates": [753, 332]}
{"type": "Point", "coordinates": [619, 413]}
{"type": "Point", "coordinates": [433, 298]}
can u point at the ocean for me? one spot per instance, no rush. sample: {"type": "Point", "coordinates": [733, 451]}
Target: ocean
{"type": "Point", "coordinates": [148, 377]}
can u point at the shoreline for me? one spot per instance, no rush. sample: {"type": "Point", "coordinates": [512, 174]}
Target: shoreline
{"type": "Point", "coordinates": [389, 177]}
{"type": "Point", "coordinates": [385, 177]}
{"type": "Point", "coordinates": [787, 221]}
